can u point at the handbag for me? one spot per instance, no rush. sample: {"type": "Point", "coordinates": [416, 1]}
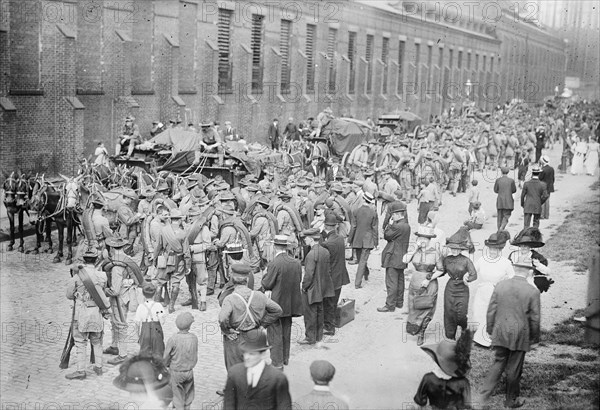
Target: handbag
{"type": "Point", "coordinates": [422, 302]}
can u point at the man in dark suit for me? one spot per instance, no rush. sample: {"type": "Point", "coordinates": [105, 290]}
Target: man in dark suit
{"type": "Point", "coordinates": [336, 246]}
{"type": "Point", "coordinates": [397, 235]}
{"type": "Point", "coordinates": [547, 177]}
{"type": "Point", "coordinates": [320, 397]}
{"type": "Point", "coordinates": [513, 320]}
{"type": "Point", "coordinates": [540, 141]}
{"type": "Point", "coordinates": [533, 195]}
{"type": "Point", "coordinates": [316, 286]}
{"type": "Point", "coordinates": [505, 187]}
{"type": "Point", "coordinates": [282, 279]}
{"type": "Point", "coordinates": [334, 170]}
{"type": "Point", "coordinates": [314, 168]}
{"type": "Point", "coordinates": [274, 134]}
{"type": "Point", "coordinates": [254, 384]}
{"type": "Point", "coordinates": [364, 236]}
{"type": "Point", "coordinates": [290, 132]}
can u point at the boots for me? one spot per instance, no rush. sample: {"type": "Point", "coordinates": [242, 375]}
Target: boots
{"type": "Point", "coordinates": [421, 338]}
{"type": "Point", "coordinates": [174, 294]}
{"type": "Point", "coordinates": [203, 293]}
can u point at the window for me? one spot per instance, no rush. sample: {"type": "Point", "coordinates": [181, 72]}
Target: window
{"type": "Point", "coordinates": [417, 62]}
{"type": "Point", "coordinates": [224, 41]}
{"type": "Point", "coordinates": [492, 64]}
{"type": "Point", "coordinates": [256, 42]}
{"type": "Point", "coordinates": [284, 50]}
{"type": "Point", "coordinates": [451, 59]}
{"type": "Point", "coordinates": [429, 61]}
{"type": "Point", "coordinates": [459, 62]}
{"type": "Point", "coordinates": [369, 58]}
{"type": "Point", "coordinates": [351, 57]}
{"type": "Point", "coordinates": [331, 47]}
{"type": "Point", "coordinates": [484, 65]}
{"type": "Point", "coordinates": [310, 56]}
{"type": "Point", "coordinates": [468, 61]}
{"type": "Point", "coordinates": [476, 61]}
{"type": "Point", "coordinates": [401, 47]}
{"type": "Point", "coordinates": [441, 58]}
{"type": "Point", "coordinates": [385, 50]}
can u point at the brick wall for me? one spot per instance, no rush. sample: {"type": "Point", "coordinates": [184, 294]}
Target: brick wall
{"type": "Point", "coordinates": [159, 60]}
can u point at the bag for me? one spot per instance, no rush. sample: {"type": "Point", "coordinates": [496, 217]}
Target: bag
{"type": "Point", "coordinates": [422, 302]}
{"type": "Point", "coordinates": [161, 262]}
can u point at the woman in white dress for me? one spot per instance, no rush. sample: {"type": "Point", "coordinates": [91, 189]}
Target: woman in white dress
{"type": "Point", "coordinates": [591, 158]}
{"type": "Point", "coordinates": [492, 268]}
{"type": "Point", "coordinates": [580, 150]}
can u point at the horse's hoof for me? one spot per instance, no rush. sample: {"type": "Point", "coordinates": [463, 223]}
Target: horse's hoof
{"type": "Point", "coordinates": [21, 249]}
{"type": "Point", "coordinates": [9, 248]}
{"type": "Point", "coordinates": [56, 259]}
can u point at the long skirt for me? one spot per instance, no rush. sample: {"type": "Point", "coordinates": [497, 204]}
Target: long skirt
{"type": "Point", "coordinates": [577, 167]}
{"type": "Point", "coordinates": [591, 162]}
{"type": "Point", "coordinates": [483, 294]}
{"type": "Point", "coordinates": [456, 305]}
{"type": "Point", "coordinates": [152, 342]}
{"type": "Point", "coordinates": [418, 319]}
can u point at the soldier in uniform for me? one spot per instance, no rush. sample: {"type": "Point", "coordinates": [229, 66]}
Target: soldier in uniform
{"type": "Point", "coordinates": [88, 322]}
{"type": "Point", "coordinates": [100, 222]}
{"type": "Point", "coordinates": [260, 230]}
{"type": "Point", "coordinates": [211, 142]}
{"type": "Point", "coordinates": [242, 311]}
{"type": "Point", "coordinates": [129, 220]}
{"type": "Point", "coordinates": [174, 252]}
{"type": "Point", "coordinates": [121, 289]}
{"type": "Point", "coordinates": [130, 135]}
{"type": "Point", "coordinates": [286, 224]}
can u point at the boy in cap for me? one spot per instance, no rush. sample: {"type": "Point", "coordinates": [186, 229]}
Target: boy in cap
{"type": "Point", "coordinates": [181, 356]}
{"type": "Point", "coordinates": [321, 372]}
{"type": "Point", "coordinates": [149, 318]}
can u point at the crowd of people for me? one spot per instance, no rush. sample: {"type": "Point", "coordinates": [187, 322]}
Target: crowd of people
{"type": "Point", "coordinates": [298, 233]}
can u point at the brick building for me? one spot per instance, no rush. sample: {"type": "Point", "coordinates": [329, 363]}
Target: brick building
{"type": "Point", "coordinates": [72, 71]}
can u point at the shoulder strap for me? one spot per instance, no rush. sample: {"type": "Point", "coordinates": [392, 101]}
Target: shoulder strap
{"type": "Point", "coordinates": [248, 313]}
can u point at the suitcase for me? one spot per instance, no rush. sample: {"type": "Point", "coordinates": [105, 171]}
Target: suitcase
{"type": "Point", "coordinates": [344, 313]}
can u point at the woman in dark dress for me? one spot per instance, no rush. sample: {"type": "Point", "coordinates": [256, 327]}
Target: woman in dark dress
{"type": "Point", "coordinates": [447, 387]}
{"type": "Point", "coordinates": [461, 271]}
{"type": "Point", "coordinates": [527, 240]}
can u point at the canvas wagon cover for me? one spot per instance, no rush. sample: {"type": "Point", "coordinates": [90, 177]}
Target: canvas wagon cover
{"type": "Point", "coordinates": [345, 134]}
{"type": "Point", "coordinates": [180, 140]}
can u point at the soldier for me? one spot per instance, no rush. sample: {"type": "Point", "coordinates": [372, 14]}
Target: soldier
{"type": "Point", "coordinates": [130, 135]}
{"type": "Point", "coordinates": [123, 273]}
{"type": "Point", "coordinates": [242, 311]}
{"type": "Point", "coordinates": [172, 255]}
{"type": "Point", "coordinates": [128, 220]}
{"type": "Point", "coordinates": [286, 224]}
{"type": "Point", "coordinates": [86, 289]}
{"type": "Point", "coordinates": [100, 222]}
{"type": "Point", "coordinates": [199, 238]}
{"type": "Point", "coordinates": [260, 231]}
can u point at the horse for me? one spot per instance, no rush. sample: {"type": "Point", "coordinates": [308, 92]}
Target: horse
{"type": "Point", "coordinates": [16, 190]}
{"type": "Point", "coordinates": [60, 204]}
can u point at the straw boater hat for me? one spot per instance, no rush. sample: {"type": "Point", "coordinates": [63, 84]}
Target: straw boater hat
{"type": "Point", "coordinates": [397, 207]}
{"type": "Point", "coordinates": [331, 219]}
{"type": "Point", "coordinates": [425, 232]}
{"type": "Point", "coordinates": [233, 248]}
{"type": "Point", "coordinates": [116, 241]}
{"type": "Point", "coordinates": [281, 240]}
{"type": "Point", "coordinates": [497, 239]}
{"type": "Point", "coordinates": [535, 169]}
{"type": "Point", "coordinates": [531, 237]}
{"type": "Point", "coordinates": [368, 197]}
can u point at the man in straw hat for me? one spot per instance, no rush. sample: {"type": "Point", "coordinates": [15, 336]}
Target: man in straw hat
{"type": "Point", "coordinates": [513, 320]}
{"type": "Point", "coordinates": [282, 280]}
{"type": "Point", "coordinates": [364, 236]}
{"type": "Point", "coordinates": [316, 286]}
{"type": "Point", "coordinates": [397, 235]}
{"type": "Point", "coordinates": [243, 311]}
{"type": "Point", "coordinates": [547, 177]}
{"type": "Point", "coordinates": [533, 196]}
{"type": "Point", "coordinates": [88, 322]}
{"type": "Point", "coordinates": [254, 384]}
{"type": "Point", "coordinates": [321, 372]}
{"type": "Point", "coordinates": [172, 255]}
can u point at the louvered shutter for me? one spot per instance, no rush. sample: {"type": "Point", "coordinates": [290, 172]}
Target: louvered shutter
{"type": "Point", "coordinates": [369, 58]}
{"type": "Point", "coordinates": [310, 56]}
{"type": "Point", "coordinates": [331, 46]}
{"type": "Point", "coordinates": [224, 43]}
{"type": "Point", "coordinates": [384, 59]}
{"type": "Point", "coordinates": [351, 57]}
{"type": "Point", "coordinates": [284, 49]}
{"type": "Point", "coordinates": [256, 42]}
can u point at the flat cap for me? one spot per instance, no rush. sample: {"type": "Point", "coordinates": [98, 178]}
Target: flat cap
{"type": "Point", "coordinates": [322, 371]}
{"type": "Point", "coordinates": [241, 269]}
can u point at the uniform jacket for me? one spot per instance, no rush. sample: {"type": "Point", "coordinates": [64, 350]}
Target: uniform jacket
{"type": "Point", "coordinates": [534, 194]}
{"type": "Point", "coordinates": [283, 278]}
{"type": "Point", "coordinates": [261, 230]}
{"type": "Point", "coordinates": [273, 132]}
{"type": "Point", "coordinates": [513, 316]}
{"type": "Point", "coordinates": [101, 225]}
{"type": "Point", "coordinates": [547, 176]}
{"type": "Point", "coordinates": [397, 236]}
{"type": "Point", "coordinates": [317, 399]}
{"type": "Point", "coordinates": [334, 243]}
{"type": "Point", "coordinates": [271, 392]}
{"type": "Point", "coordinates": [364, 231]}
{"type": "Point", "coordinates": [87, 313]}
{"type": "Point", "coordinates": [505, 188]}
{"type": "Point", "coordinates": [317, 281]}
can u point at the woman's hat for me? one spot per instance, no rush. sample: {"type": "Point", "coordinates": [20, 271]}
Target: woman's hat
{"type": "Point", "coordinates": [116, 241]}
{"type": "Point", "coordinates": [460, 240]}
{"type": "Point", "coordinates": [281, 240]}
{"type": "Point", "coordinates": [425, 232]}
{"type": "Point", "coordinates": [138, 374]}
{"type": "Point", "coordinates": [497, 239]}
{"type": "Point", "coordinates": [531, 237]}
{"type": "Point", "coordinates": [234, 248]}
{"type": "Point", "coordinates": [184, 320]}
{"type": "Point", "coordinates": [452, 357]}
{"type": "Point", "coordinates": [149, 290]}
{"type": "Point", "coordinates": [255, 340]}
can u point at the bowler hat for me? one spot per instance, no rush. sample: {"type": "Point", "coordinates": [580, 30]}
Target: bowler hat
{"type": "Point", "coordinates": [331, 219]}
{"type": "Point", "coordinates": [241, 269]}
{"type": "Point", "coordinates": [322, 371]}
{"type": "Point", "coordinates": [281, 240]}
{"type": "Point", "coordinates": [397, 206]}
{"type": "Point", "coordinates": [255, 340]}
{"type": "Point", "coordinates": [184, 320]}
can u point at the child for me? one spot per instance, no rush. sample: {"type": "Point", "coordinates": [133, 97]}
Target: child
{"type": "Point", "coordinates": [477, 218]}
{"type": "Point", "coordinates": [447, 387]}
{"type": "Point", "coordinates": [149, 317]}
{"type": "Point", "coordinates": [473, 194]}
{"type": "Point", "coordinates": [181, 357]}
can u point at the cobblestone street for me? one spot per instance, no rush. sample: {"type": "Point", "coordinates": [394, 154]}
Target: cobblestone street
{"type": "Point", "coordinates": [35, 317]}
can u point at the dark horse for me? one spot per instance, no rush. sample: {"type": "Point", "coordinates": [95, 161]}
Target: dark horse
{"type": "Point", "coordinates": [16, 190]}
{"type": "Point", "coordinates": [56, 202]}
